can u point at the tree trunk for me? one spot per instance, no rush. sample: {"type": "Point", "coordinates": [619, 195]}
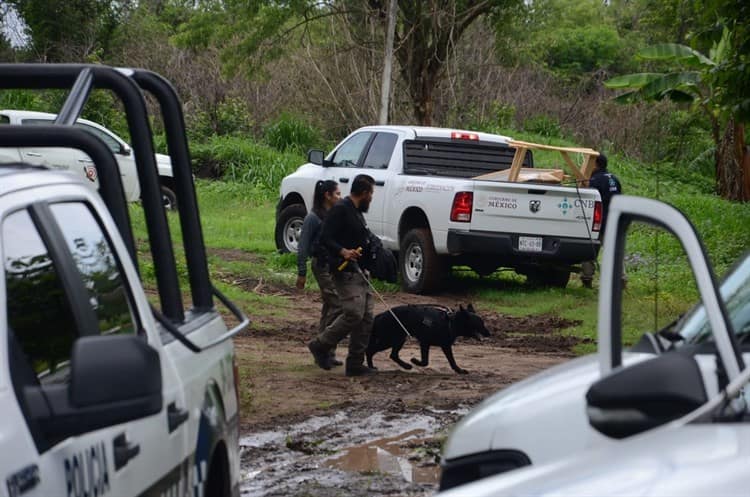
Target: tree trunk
{"type": "Point", "coordinates": [733, 164]}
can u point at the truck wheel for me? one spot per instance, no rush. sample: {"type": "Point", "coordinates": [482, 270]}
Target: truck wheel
{"type": "Point", "coordinates": [421, 268]}
{"type": "Point", "coordinates": [168, 198]}
{"type": "Point", "coordinates": [548, 276]}
{"type": "Point", "coordinates": [289, 228]}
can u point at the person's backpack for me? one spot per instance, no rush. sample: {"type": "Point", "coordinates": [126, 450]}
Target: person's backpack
{"type": "Point", "coordinates": [380, 261]}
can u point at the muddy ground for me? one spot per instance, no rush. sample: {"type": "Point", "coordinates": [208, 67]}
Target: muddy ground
{"type": "Point", "coordinates": [309, 432]}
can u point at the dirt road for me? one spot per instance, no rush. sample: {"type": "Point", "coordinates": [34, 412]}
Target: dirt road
{"type": "Point", "coordinates": [318, 433]}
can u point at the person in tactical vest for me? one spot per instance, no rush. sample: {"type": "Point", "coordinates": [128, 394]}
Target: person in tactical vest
{"type": "Point", "coordinates": [608, 186]}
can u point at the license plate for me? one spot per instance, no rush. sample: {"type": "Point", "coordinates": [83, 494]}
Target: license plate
{"type": "Point", "coordinates": [530, 243]}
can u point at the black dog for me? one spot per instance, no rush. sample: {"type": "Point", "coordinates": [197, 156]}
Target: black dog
{"type": "Point", "coordinates": [431, 325]}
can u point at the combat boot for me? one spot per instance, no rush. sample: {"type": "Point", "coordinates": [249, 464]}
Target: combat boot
{"type": "Point", "coordinates": [356, 368]}
{"type": "Point", "coordinates": [321, 354]}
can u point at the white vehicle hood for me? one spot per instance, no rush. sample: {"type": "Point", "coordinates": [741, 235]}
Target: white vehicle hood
{"type": "Point", "coordinates": [693, 460]}
{"type": "Point", "coordinates": [536, 396]}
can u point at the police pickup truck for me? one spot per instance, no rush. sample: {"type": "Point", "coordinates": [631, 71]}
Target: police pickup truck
{"type": "Point", "coordinates": [446, 197]}
{"type": "Point", "coordinates": [103, 393]}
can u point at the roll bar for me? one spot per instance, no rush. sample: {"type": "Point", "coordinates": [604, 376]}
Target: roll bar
{"type": "Point", "coordinates": [127, 85]}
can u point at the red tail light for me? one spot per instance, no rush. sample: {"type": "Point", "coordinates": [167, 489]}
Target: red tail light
{"type": "Point", "coordinates": [597, 224]}
{"type": "Point", "coordinates": [458, 135]}
{"type": "Point", "coordinates": [462, 205]}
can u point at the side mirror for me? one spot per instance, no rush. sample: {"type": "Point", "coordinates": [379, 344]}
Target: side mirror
{"type": "Point", "coordinates": [646, 395]}
{"type": "Point", "coordinates": [113, 379]}
{"type": "Point", "coordinates": [125, 150]}
{"type": "Point", "coordinates": [315, 157]}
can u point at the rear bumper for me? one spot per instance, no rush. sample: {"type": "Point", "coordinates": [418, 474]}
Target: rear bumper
{"type": "Point", "coordinates": [504, 246]}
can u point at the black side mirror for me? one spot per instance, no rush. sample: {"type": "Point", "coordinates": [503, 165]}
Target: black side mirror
{"type": "Point", "coordinates": [315, 157]}
{"type": "Point", "coordinates": [646, 395]}
{"type": "Point", "coordinates": [114, 379]}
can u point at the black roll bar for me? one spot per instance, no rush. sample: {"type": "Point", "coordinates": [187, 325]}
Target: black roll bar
{"type": "Point", "coordinates": [62, 76]}
{"type": "Point", "coordinates": [67, 136]}
{"type": "Point", "coordinates": [187, 204]}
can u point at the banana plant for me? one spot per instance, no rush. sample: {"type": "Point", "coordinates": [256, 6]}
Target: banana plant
{"type": "Point", "coordinates": [692, 82]}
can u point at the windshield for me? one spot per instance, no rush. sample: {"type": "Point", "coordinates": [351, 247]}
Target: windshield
{"type": "Point", "coordinates": [735, 291]}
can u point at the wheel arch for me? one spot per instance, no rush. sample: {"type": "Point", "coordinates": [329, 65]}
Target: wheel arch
{"type": "Point", "coordinates": [214, 432]}
{"type": "Point", "coordinates": [412, 217]}
{"type": "Point", "coordinates": [291, 199]}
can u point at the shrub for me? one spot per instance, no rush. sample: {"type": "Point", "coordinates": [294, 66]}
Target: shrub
{"type": "Point", "coordinates": [546, 126]}
{"type": "Point", "coordinates": [239, 159]}
{"type": "Point", "coordinates": [291, 133]}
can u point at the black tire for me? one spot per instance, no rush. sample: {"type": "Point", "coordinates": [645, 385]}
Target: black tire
{"type": "Point", "coordinates": [548, 276]}
{"type": "Point", "coordinates": [217, 482]}
{"type": "Point", "coordinates": [289, 228]}
{"type": "Point", "coordinates": [422, 270]}
{"type": "Point", "coordinates": [168, 198]}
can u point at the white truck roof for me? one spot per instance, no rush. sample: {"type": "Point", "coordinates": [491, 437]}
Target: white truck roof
{"type": "Point", "coordinates": [433, 132]}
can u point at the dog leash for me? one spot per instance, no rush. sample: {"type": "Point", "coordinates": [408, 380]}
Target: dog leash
{"type": "Point", "coordinates": [359, 270]}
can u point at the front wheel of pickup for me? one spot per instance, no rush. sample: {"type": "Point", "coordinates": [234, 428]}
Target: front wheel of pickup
{"type": "Point", "coordinates": [422, 269]}
{"type": "Point", "coordinates": [289, 228]}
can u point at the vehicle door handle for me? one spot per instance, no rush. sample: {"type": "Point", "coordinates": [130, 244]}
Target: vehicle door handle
{"type": "Point", "coordinates": [380, 183]}
{"type": "Point", "coordinates": [175, 416]}
{"type": "Point", "coordinates": [86, 161]}
{"type": "Point", "coordinates": [124, 450]}
{"type": "Point", "coordinates": [33, 154]}
{"type": "Point", "coordinates": [343, 180]}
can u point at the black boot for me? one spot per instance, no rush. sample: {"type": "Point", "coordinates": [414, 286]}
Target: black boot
{"type": "Point", "coordinates": [356, 368]}
{"type": "Point", "coordinates": [334, 362]}
{"type": "Point", "coordinates": [321, 354]}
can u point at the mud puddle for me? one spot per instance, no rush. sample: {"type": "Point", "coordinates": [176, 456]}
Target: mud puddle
{"type": "Point", "coordinates": [354, 452]}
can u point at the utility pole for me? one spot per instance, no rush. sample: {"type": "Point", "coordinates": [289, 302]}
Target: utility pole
{"type": "Point", "coordinates": [385, 87]}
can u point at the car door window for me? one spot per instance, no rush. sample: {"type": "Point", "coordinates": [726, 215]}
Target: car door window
{"type": "Point", "coordinates": [98, 267]}
{"type": "Point", "coordinates": [109, 140]}
{"type": "Point", "coordinates": [37, 307]}
{"type": "Point", "coordinates": [350, 152]}
{"type": "Point", "coordinates": [381, 151]}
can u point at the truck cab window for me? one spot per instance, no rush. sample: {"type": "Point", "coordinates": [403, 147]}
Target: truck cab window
{"type": "Point", "coordinates": [349, 153]}
{"type": "Point", "coordinates": [109, 140]}
{"type": "Point", "coordinates": [98, 267]}
{"type": "Point", "coordinates": [381, 151]}
{"type": "Point", "coordinates": [37, 307]}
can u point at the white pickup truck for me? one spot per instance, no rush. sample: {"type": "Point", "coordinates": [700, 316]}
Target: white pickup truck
{"type": "Point", "coordinates": [67, 159]}
{"type": "Point", "coordinates": [447, 197]}
{"type": "Point", "coordinates": [101, 394]}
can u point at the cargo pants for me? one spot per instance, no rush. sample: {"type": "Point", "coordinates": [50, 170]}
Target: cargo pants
{"type": "Point", "coordinates": [355, 319]}
{"type": "Point", "coordinates": [331, 305]}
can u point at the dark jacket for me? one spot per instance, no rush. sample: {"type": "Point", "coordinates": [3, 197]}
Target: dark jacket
{"type": "Point", "coordinates": [309, 243]}
{"type": "Point", "coordinates": [344, 227]}
{"type": "Point", "coordinates": [608, 186]}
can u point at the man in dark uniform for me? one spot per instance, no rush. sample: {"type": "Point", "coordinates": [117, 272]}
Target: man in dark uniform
{"type": "Point", "coordinates": [346, 236]}
{"type": "Point", "coordinates": [608, 186]}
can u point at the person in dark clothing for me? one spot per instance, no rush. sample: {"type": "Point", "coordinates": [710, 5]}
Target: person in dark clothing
{"type": "Point", "coordinates": [326, 194]}
{"type": "Point", "coordinates": [346, 237]}
{"type": "Point", "coordinates": [608, 186]}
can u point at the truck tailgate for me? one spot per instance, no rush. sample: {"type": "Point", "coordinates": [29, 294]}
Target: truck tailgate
{"type": "Point", "coordinates": [533, 209]}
